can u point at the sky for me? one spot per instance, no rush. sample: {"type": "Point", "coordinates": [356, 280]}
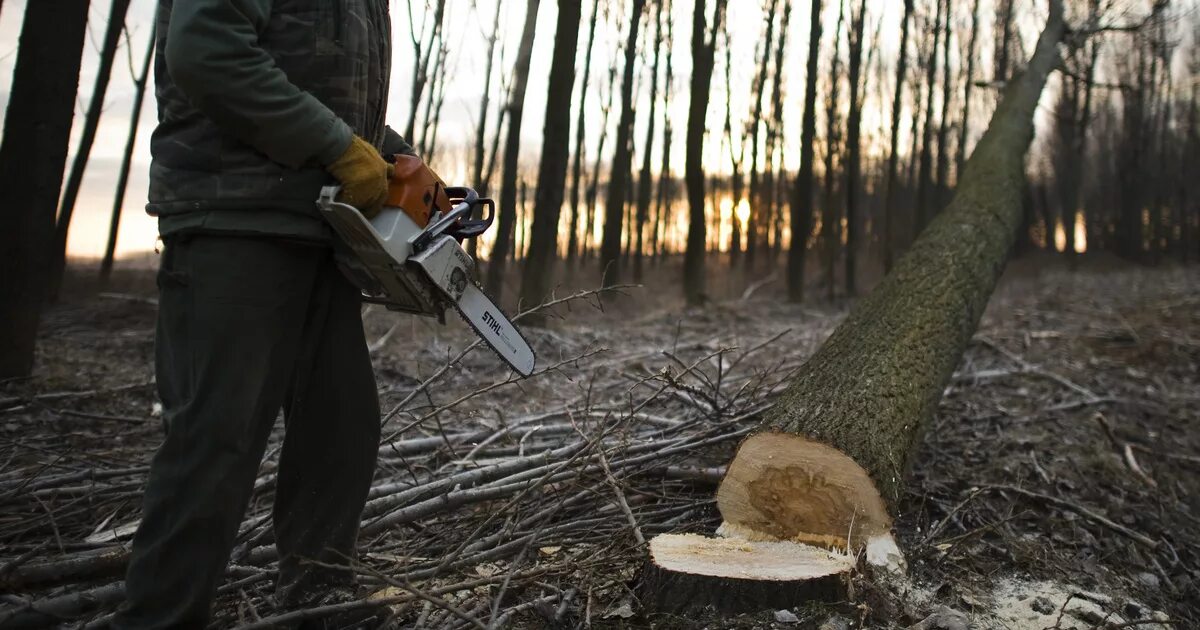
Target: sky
{"type": "Point", "coordinates": [467, 38]}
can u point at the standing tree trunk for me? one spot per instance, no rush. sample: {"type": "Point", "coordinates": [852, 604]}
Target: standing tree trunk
{"type": "Point", "coordinates": [758, 92]}
{"type": "Point", "coordinates": [512, 154]}
{"type": "Point", "coordinates": [481, 129]}
{"type": "Point", "coordinates": [853, 150]}
{"type": "Point", "coordinates": [925, 175]}
{"type": "Point", "coordinates": [140, 82]}
{"type": "Point", "coordinates": [485, 104]}
{"type": "Point", "coordinates": [108, 52]}
{"type": "Point", "coordinates": [830, 210]}
{"type": "Point", "coordinates": [969, 81]}
{"type": "Point", "coordinates": [665, 178]}
{"type": "Point", "coordinates": [1003, 40]}
{"type": "Point", "coordinates": [737, 156]}
{"type": "Point", "coordinates": [645, 179]}
{"type": "Point", "coordinates": [552, 175]}
{"type": "Point", "coordinates": [943, 140]}
{"type": "Point", "coordinates": [833, 453]}
{"type": "Point", "coordinates": [618, 175]}
{"type": "Point", "coordinates": [704, 45]}
{"type": "Point", "coordinates": [773, 181]}
{"type": "Point", "coordinates": [889, 204]}
{"type": "Point", "coordinates": [802, 194]}
{"type": "Point", "coordinates": [580, 134]}
{"type": "Point", "coordinates": [594, 186]}
{"type": "Point", "coordinates": [37, 131]}
{"type": "Point", "coordinates": [423, 54]}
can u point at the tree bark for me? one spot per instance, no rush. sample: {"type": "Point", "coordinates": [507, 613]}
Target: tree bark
{"type": "Point", "coordinates": [37, 131]}
{"type": "Point", "coordinates": [862, 401]}
{"type": "Point", "coordinates": [889, 207]}
{"type": "Point", "coordinates": [802, 192]}
{"type": "Point", "coordinates": [108, 52]}
{"type": "Point", "coordinates": [512, 154]}
{"type": "Point", "coordinates": [618, 175]}
{"type": "Point", "coordinates": [552, 175]}
{"type": "Point", "coordinates": [140, 83]}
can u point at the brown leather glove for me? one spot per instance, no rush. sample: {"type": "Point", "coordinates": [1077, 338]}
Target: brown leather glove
{"type": "Point", "coordinates": [364, 176]}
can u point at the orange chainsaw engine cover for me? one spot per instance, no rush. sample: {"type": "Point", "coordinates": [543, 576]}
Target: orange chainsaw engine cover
{"type": "Point", "coordinates": [417, 190]}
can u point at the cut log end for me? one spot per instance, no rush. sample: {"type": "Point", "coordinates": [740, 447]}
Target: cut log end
{"type": "Point", "coordinates": [787, 487]}
{"type": "Point", "coordinates": [689, 573]}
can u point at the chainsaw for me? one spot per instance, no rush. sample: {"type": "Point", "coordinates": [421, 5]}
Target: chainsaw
{"type": "Point", "coordinates": [410, 259]}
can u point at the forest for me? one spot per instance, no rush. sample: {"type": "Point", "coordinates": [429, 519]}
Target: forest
{"type": "Point", "coordinates": [847, 313]}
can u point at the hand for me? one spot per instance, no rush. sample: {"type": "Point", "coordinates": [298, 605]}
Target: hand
{"type": "Point", "coordinates": [364, 177]}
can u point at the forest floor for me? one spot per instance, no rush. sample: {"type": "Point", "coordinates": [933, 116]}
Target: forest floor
{"type": "Point", "coordinates": [1058, 487]}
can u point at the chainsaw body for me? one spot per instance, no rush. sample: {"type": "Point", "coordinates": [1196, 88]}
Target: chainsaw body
{"type": "Point", "coordinates": [423, 269]}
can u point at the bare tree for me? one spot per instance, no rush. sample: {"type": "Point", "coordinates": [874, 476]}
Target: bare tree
{"type": "Point", "coordinates": [943, 140]}
{"type": "Point", "coordinates": [512, 154]}
{"type": "Point", "coordinates": [802, 195]}
{"type": "Point", "coordinates": [666, 180]}
{"type": "Point", "coordinates": [968, 83]}
{"type": "Point", "coordinates": [481, 185]}
{"type": "Point", "coordinates": [857, 31]}
{"type": "Point", "coordinates": [140, 83]}
{"type": "Point", "coordinates": [737, 153]}
{"type": "Point", "coordinates": [552, 175]}
{"type": "Point", "coordinates": [424, 50]}
{"type": "Point", "coordinates": [37, 130]}
{"type": "Point", "coordinates": [645, 178]}
{"type": "Point", "coordinates": [830, 210]}
{"type": "Point", "coordinates": [594, 185]}
{"type": "Point", "coordinates": [758, 95]}
{"type": "Point", "coordinates": [923, 210]}
{"type": "Point", "coordinates": [108, 52]}
{"type": "Point", "coordinates": [704, 44]}
{"type": "Point", "coordinates": [580, 134]}
{"type": "Point", "coordinates": [485, 103]}
{"type": "Point", "coordinates": [889, 207]}
{"type": "Point", "coordinates": [775, 184]}
{"type": "Point", "coordinates": [618, 176]}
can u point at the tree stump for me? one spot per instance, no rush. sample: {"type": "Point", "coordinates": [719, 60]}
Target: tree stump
{"type": "Point", "coordinates": [687, 573]}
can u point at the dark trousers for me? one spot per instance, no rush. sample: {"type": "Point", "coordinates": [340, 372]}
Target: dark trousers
{"type": "Point", "coordinates": [247, 326]}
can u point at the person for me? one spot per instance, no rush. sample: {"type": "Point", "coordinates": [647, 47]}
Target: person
{"type": "Point", "coordinates": [261, 104]}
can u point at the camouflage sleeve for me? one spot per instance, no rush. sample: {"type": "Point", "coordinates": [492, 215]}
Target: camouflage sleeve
{"type": "Point", "coordinates": [394, 143]}
{"type": "Point", "coordinates": [213, 55]}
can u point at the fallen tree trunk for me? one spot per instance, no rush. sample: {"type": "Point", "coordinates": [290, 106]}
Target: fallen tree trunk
{"type": "Point", "coordinates": [827, 466]}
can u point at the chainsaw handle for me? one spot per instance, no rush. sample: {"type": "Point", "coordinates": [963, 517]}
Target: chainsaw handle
{"type": "Point", "coordinates": [457, 222]}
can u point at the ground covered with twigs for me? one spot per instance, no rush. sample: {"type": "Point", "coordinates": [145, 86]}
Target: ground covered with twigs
{"type": "Point", "coordinates": [1062, 475]}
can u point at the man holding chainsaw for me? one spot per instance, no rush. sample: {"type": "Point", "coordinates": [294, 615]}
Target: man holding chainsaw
{"type": "Point", "coordinates": [261, 103]}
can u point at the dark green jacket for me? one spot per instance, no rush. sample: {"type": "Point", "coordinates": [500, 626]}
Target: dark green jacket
{"type": "Point", "coordinates": [255, 97]}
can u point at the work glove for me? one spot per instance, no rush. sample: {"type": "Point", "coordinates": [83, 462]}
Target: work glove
{"type": "Point", "coordinates": [364, 176]}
